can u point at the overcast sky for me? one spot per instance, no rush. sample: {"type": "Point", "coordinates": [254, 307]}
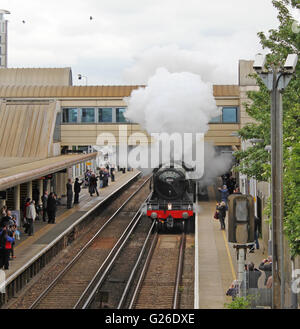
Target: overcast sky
{"type": "Point", "coordinates": [127, 39]}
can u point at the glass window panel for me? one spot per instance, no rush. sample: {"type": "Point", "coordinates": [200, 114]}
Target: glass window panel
{"type": "Point", "coordinates": [229, 114]}
{"type": "Point", "coordinates": [241, 211]}
{"type": "Point", "coordinates": [120, 115]}
{"type": "Point", "coordinates": [105, 115]}
{"type": "Point", "coordinates": [70, 115]}
{"type": "Point", "coordinates": [87, 115]}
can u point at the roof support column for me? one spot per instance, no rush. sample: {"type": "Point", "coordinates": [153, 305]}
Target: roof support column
{"type": "Point", "coordinates": [64, 184]}
{"type": "Point", "coordinates": [58, 184]}
{"type": "Point", "coordinates": [17, 197]}
{"type": "Point", "coordinates": [29, 189]}
{"type": "Point", "coordinates": [40, 188]}
{"type": "Point", "coordinates": [49, 186]}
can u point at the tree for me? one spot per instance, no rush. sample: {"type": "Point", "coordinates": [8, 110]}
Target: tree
{"type": "Point", "coordinates": [254, 161]}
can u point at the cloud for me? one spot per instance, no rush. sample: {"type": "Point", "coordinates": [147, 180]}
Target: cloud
{"type": "Point", "coordinates": [60, 33]}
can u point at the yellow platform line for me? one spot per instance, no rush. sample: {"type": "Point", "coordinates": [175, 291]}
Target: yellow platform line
{"type": "Point", "coordinates": [229, 256]}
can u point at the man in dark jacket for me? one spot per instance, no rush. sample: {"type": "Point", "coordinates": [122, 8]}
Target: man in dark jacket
{"type": "Point", "coordinates": [93, 185]}
{"type": "Point", "coordinates": [112, 173]}
{"type": "Point", "coordinates": [69, 193]}
{"type": "Point", "coordinates": [77, 190]}
{"type": "Point", "coordinates": [51, 208]}
{"type": "Point", "coordinates": [44, 203]}
{"type": "Point", "coordinates": [252, 275]}
{"type": "Point", "coordinates": [266, 266]}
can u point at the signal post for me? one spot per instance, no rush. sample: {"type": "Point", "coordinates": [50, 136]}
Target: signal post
{"type": "Point", "coordinates": [241, 229]}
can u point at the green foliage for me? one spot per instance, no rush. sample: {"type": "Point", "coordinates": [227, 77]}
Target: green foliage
{"type": "Point", "coordinates": [254, 161]}
{"type": "Point", "coordinates": [240, 303]}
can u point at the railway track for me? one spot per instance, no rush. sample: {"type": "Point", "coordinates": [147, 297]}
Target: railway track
{"type": "Point", "coordinates": [111, 289]}
{"type": "Point", "coordinates": [71, 286]}
{"type": "Point", "coordinates": [159, 283]}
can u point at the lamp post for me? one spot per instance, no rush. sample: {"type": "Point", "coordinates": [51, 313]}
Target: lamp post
{"type": "Point", "coordinates": [276, 80]}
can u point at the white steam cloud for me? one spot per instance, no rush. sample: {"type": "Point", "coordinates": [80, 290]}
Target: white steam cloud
{"type": "Point", "coordinates": [177, 101]}
{"type": "Point", "coordinates": [173, 102]}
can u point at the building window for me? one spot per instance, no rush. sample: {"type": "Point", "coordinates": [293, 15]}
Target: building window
{"type": "Point", "coordinates": [70, 115]}
{"type": "Point", "coordinates": [229, 115]}
{"type": "Point", "coordinates": [105, 115]}
{"type": "Point", "coordinates": [120, 115]}
{"type": "Point", "coordinates": [87, 115]}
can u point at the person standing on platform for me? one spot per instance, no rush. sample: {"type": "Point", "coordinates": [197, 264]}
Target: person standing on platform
{"type": "Point", "coordinates": [77, 189]}
{"type": "Point", "coordinates": [266, 266]}
{"type": "Point", "coordinates": [101, 176]}
{"type": "Point", "coordinates": [30, 216]}
{"type": "Point", "coordinates": [3, 211]}
{"type": "Point", "coordinates": [51, 208]}
{"type": "Point", "coordinates": [252, 276]}
{"type": "Point", "coordinates": [105, 178]}
{"type": "Point", "coordinates": [112, 173]}
{"type": "Point", "coordinates": [26, 225]}
{"type": "Point", "coordinates": [224, 193]}
{"type": "Point", "coordinates": [69, 193]}
{"type": "Point", "coordinates": [222, 214]}
{"type": "Point", "coordinates": [5, 247]}
{"type": "Point", "coordinates": [45, 204]}
{"type": "Point", "coordinates": [93, 185]}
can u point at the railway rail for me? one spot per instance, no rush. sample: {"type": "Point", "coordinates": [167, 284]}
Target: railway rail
{"type": "Point", "coordinates": [159, 282]}
{"type": "Point", "coordinates": [69, 287]}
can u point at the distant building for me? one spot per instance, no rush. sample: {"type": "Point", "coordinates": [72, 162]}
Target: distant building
{"type": "Point", "coordinates": [3, 38]}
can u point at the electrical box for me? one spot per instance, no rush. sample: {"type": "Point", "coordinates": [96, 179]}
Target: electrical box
{"type": "Point", "coordinates": [240, 219]}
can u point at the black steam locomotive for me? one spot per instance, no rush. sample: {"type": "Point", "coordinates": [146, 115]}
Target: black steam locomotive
{"type": "Point", "coordinates": [171, 202]}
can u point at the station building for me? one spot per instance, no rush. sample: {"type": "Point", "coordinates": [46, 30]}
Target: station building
{"type": "Point", "coordinates": [30, 149]}
{"type": "Point", "coordinates": [49, 128]}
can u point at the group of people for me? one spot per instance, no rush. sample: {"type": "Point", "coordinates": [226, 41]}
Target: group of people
{"type": "Point", "coordinates": [252, 276]}
{"type": "Point", "coordinates": [104, 173]}
{"type": "Point", "coordinates": [8, 233]}
{"type": "Point", "coordinates": [229, 187]}
{"type": "Point", "coordinates": [32, 211]}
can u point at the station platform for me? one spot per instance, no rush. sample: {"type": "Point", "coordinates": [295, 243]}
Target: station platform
{"type": "Point", "coordinates": [29, 246]}
{"type": "Point", "coordinates": [217, 261]}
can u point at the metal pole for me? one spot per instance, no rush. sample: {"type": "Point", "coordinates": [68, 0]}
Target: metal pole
{"type": "Point", "coordinates": [241, 268]}
{"type": "Point", "coordinates": [277, 201]}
